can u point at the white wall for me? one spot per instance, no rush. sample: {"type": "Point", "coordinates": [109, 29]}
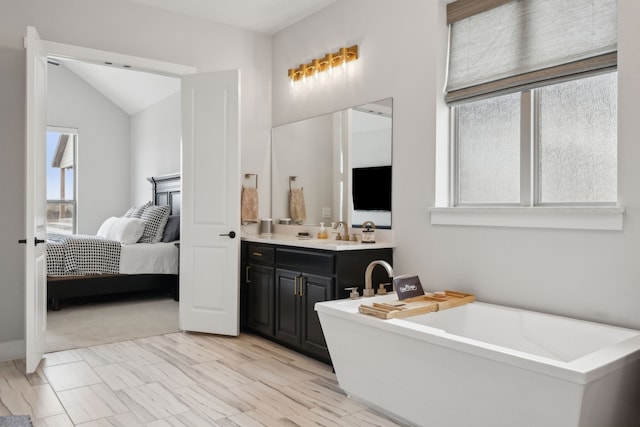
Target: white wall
{"type": "Point", "coordinates": [103, 146]}
{"type": "Point", "coordinates": [155, 145]}
{"type": "Point", "coordinates": [585, 274]}
{"type": "Point", "coordinates": [131, 29]}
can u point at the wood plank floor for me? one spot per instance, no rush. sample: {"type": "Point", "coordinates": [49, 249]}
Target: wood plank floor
{"type": "Point", "coordinates": [181, 380]}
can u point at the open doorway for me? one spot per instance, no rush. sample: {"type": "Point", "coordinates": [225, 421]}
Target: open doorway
{"type": "Point", "coordinates": [117, 112]}
{"type": "Point", "coordinates": [210, 153]}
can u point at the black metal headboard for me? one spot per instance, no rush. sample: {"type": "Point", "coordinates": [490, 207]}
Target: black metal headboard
{"type": "Point", "coordinates": [166, 191]}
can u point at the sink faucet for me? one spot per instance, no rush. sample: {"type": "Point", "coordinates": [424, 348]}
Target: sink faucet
{"type": "Point", "coordinates": [368, 287]}
{"type": "Point", "coordinates": [346, 230]}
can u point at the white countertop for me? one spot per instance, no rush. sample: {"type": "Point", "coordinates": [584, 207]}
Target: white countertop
{"type": "Point", "coordinates": [314, 243]}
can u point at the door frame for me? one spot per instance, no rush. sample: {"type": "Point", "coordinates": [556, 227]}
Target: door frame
{"type": "Point", "coordinates": [129, 62]}
{"type": "Point", "coordinates": [134, 63]}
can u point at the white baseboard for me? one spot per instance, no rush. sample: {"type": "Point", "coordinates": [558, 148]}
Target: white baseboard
{"type": "Point", "coordinates": [10, 350]}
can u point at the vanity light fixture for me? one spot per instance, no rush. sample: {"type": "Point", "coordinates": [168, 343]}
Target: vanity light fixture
{"type": "Point", "coordinates": [326, 63]}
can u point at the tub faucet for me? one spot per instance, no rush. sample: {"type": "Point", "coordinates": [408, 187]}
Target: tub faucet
{"type": "Point", "coordinates": [346, 230]}
{"type": "Point", "coordinates": [368, 287]}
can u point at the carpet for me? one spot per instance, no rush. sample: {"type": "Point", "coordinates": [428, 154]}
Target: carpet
{"type": "Point", "coordinates": [15, 421]}
{"type": "Point", "coordinates": [110, 319]}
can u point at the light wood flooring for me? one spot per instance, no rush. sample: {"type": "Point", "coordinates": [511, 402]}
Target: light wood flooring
{"type": "Point", "coordinates": [181, 380]}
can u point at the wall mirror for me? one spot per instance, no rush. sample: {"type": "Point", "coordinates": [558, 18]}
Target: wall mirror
{"type": "Point", "coordinates": [340, 162]}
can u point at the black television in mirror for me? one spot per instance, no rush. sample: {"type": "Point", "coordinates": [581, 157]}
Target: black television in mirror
{"type": "Point", "coordinates": [371, 188]}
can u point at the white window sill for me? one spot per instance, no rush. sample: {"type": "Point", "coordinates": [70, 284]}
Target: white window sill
{"type": "Point", "coordinates": [580, 218]}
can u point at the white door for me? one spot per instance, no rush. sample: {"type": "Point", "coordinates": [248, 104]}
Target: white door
{"type": "Point", "coordinates": [35, 201]}
{"type": "Point", "coordinates": [210, 213]}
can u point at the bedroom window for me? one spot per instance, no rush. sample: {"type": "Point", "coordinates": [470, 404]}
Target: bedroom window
{"type": "Point", "coordinates": [61, 166]}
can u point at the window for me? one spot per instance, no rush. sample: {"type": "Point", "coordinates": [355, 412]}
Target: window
{"type": "Point", "coordinates": [61, 203]}
{"type": "Point", "coordinates": [577, 141]}
{"type": "Point", "coordinates": [488, 151]}
{"type": "Point", "coordinates": [574, 146]}
{"type": "Point", "coordinates": [532, 91]}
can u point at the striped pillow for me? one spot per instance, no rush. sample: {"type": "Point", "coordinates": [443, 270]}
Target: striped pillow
{"type": "Point", "coordinates": [155, 218]}
{"type": "Point", "coordinates": [136, 211]}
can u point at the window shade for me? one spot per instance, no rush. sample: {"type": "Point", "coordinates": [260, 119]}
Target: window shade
{"type": "Point", "coordinates": [528, 43]}
{"type": "Point", "coordinates": [461, 9]}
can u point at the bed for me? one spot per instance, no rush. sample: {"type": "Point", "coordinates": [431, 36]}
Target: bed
{"type": "Point", "coordinates": [83, 266]}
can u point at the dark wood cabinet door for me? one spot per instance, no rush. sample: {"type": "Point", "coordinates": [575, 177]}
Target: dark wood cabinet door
{"type": "Point", "coordinates": [315, 289]}
{"type": "Point", "coordinates": [259, 285]}
{"type": "Point", "coordinates": [288, 305]}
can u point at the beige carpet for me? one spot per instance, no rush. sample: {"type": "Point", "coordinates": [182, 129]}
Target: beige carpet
{"type": "Point", "coordinates": [110, 320]}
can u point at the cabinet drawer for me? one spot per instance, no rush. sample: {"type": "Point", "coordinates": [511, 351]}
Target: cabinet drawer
{"type": "Point", "coordinates": [307, 261]}
{"type": "Point", "coordinates": [260, 253]}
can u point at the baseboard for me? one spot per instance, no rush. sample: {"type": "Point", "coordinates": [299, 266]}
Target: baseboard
{"type": "Point", "coordinates": [11, 350]}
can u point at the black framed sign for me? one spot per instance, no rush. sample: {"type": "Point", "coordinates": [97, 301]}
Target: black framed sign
{"type": "Point", "coordinates": [407, 286]}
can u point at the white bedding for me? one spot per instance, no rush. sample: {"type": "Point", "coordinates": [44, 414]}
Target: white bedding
{"type": "Point", "coordinates": [150, 258]}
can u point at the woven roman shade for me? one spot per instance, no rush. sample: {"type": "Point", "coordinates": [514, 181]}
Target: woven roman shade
{"type": "Point", "coordinates": [501, 46]}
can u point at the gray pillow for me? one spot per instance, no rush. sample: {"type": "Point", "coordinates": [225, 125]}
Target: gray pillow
{"type": "Point", "coordinates": [172, 229]}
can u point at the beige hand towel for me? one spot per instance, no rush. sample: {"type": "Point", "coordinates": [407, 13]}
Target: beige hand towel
{"type": "Point", "coordinates": [249, 204]}
{"type": "Point", "coordinates": [297, 210]}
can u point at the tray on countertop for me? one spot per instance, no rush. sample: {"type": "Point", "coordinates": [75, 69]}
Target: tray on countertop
{"type": "Point", "coordinates": [417, 305]}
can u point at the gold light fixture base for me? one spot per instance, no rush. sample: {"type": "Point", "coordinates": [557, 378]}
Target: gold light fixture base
{"type": "Point", "coordinates": [327, 62]}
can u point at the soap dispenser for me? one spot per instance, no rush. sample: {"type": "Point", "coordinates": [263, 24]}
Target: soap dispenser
{"type": "Point", "coordinates": [368, 232]}
{"type": "Point", "coordinates": [322, 234]}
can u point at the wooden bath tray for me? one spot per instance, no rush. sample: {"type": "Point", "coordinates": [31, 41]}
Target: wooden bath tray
{"type": "Point", "coordinates": [416, 305]}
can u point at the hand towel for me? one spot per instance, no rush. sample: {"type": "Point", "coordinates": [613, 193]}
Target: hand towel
{"type": "Point", "coordinates": [249, 204]}
{"type": "Point", "coordinates": [297, 210]}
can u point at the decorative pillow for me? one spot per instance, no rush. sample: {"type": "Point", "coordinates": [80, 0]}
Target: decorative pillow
{"type": "Point", "coordinates": [172, 229]}
{"type": "Point", "coordinates": [127, 230]}
{"type": "Point", "coordinates": [123, 230]}
{"type": "Point", "coordinates": [155, 218]}
{"type": "Point", "coordinates": [136, 211]}
{"type": "Point", "coordinates": [105, 228]}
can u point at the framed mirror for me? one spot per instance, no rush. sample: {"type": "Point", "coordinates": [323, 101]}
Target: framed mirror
{"type": "Point", "coordinates": [341, 164]}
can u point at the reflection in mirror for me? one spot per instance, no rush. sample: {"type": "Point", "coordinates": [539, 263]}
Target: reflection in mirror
{"type": "Point", "coordinates": [370, 164]}
{"type": "Point", "coordinates": [341, 163]}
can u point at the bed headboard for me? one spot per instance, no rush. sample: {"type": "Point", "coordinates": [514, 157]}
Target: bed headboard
{"type": "Point", "coordinates": [166, 191]}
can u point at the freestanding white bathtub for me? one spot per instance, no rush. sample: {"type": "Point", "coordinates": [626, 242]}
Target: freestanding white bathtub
{"type": "Point", "coordinates": [485, 365]}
